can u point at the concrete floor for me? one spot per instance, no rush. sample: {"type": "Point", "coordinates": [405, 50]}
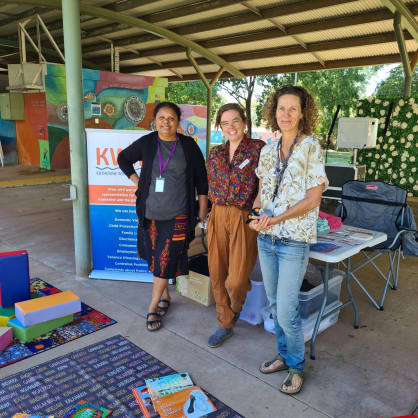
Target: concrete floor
{"type": "Point", "coordinates": [369, 372]}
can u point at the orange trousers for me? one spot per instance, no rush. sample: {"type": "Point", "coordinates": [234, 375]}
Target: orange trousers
{"type": "Point", "coordinates": [232, 253]}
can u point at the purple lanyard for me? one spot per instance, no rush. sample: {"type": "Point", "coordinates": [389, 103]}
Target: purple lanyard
{"type": "Point", "coordinates": [162, 168]}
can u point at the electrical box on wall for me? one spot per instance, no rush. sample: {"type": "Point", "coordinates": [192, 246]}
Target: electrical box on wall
{"type": "Point", "coordinates": [12, 106]}
{"type": "Point", "coordinates": [357, 132]}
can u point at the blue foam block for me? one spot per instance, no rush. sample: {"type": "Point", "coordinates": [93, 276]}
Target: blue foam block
{"type": "Point", "coordinates": [14, 278]}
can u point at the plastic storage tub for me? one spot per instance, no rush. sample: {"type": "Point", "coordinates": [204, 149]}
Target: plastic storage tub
{"type": "Point", "coordinates": [256, 299]}
{"type": "Point", "coordinates": [310, 302]}
{"type": "Point", "coordinates": [308, 325]}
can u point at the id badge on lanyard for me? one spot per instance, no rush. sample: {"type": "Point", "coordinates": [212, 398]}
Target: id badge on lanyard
{"type": "Point", "coordinates": [159, 181]}
{"type": "Point", "coordinates": [159, 184]}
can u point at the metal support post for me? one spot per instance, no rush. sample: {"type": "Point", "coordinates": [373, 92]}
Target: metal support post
{"type": "Point", "coordinates": [78, 148]}
{"type": "Point", "coordinates": [209, 95]}
{"type": "Point", "coordinates": [404, 54]}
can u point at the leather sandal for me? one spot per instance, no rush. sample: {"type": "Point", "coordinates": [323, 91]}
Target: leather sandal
{"type": "Point", "coordinates": [155, 321]}
{"type": "Point", "coordinates": [288, 382]}
{"type": "Point", "coordinates": [164, 308]}
{"type": "Point", "coordinates": [276, 369]}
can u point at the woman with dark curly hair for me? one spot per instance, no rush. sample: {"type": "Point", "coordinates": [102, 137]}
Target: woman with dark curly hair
{"type": "Point", "coordinates": [292, 178]}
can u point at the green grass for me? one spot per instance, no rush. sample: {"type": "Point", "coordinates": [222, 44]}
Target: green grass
{"type": "Point", "coordinates": [337, 157]}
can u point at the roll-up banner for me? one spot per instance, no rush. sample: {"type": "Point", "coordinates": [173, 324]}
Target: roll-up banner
{"type": "Point", "coordinates": [113, 219]}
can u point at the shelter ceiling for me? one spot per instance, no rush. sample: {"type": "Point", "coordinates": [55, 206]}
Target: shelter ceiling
{"type": "Point", "coordinates": [256, 36]}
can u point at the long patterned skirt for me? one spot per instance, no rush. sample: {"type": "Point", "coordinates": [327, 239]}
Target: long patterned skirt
{"type": "Point", "coordinates": [163, 245]}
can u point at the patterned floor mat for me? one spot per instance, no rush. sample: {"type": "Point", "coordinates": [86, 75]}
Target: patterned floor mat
{"type": "Point", "coordinates": [85, 322]}
{"type": "Point", "coordinates": [103, 374]}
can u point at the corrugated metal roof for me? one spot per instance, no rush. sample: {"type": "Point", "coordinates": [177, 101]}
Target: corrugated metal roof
{"type": "Point", "coordinates": [366, 51]}
{"type": "Point", "coordinates": [229, 32]}
{"type": "Point", "coordinates": [277, 62]}
{"type": "Point", "coordinates": [234, 10]}
{"type": "Point", "coordinates": [236, 30]}
{"type": "Point", "coordinates": [253, 46]}
{"type": "Point", "coordinates": [343, 10]}
{"type": "Point", "coordinates": [367, 29]}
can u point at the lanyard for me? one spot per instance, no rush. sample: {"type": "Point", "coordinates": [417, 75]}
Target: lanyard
{"type": "Point", "coordinates": [280, 169]}
{"type": "Point", "coordinates": [162, 168]}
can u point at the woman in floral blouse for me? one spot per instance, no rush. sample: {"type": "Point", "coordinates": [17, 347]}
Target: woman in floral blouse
{"type": "Point", "coordinates": [292, 178]}
{"type": "Point", "coordinates": [232, 245]}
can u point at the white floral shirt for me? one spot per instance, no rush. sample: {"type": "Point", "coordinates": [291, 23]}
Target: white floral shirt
{"type": "Point", "coordinates": [305, 170]}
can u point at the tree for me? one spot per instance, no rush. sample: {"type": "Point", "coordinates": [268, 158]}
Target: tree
{"type": "Point", "coordinates": [242, 90]}
{"type": "Point", "coordinates": [194, 93]}
{"type": "Point", "coordinates": [329, 87]}
{"type": "Point", "coordinates": [392, 86]}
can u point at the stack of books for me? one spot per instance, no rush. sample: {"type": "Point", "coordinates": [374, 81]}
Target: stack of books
{"type": "Point", "coordinates": [173, 396]}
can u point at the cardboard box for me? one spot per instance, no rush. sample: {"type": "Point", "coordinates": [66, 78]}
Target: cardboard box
{"type": "Point", "coordinates": [25, 334]}
{"type": "Point", "coordinates": [14, 278]}
{"type": "Point", "coordinates": [44, 309]}
{"type": "Point", "coordinates": [6, 337]}
{"type": "Point", "coordinates": [197, 287]}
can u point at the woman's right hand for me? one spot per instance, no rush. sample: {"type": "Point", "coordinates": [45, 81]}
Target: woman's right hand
{"type": "Point", "coordinates": [260, 223]}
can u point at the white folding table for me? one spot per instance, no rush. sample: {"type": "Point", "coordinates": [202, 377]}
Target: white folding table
{"type": "Point", "coordinates": [345, 252]}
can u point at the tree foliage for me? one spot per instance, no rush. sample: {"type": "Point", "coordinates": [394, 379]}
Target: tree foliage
{"type": "Point", "coordinates": [393, 85]}
{"type": "Point", "coordinates": [329, 87]}
{"type": "Point", "coordinates": [194, 93]}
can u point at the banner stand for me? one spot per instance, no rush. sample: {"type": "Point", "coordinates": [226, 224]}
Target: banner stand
{"type": "Point", "coordinates": [113, 219]}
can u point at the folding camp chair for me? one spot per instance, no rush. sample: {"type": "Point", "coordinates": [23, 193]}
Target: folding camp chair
{"type": "Point", "coordinates": [377, 206]}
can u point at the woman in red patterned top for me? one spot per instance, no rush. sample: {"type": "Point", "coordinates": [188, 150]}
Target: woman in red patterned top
{"type": "Point", "coordinates": [233, 187]}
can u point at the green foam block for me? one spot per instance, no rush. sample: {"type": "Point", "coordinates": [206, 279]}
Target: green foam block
{"type": "Point", "coordinates": [25, 334]}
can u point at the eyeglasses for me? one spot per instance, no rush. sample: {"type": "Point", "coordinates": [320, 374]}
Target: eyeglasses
{"type": "Point", "coordinates": [232, 122]}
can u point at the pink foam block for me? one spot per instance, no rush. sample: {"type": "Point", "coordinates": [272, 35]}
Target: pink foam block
{"type": "Point", "coordinates": [6, 337]}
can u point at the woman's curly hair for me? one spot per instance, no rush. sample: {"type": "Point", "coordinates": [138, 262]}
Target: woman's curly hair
{"type": "Point", "coordinates": [308, 104]}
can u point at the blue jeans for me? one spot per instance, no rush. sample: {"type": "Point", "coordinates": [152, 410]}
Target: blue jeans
{"type": "Point", "coordinates": [283, 265]}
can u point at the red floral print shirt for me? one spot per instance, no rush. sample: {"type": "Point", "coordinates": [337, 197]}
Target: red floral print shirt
{"type": "Point", "coordinates": [235, 182]}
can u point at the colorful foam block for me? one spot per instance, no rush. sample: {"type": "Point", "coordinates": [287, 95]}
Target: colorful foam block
{"type": "Point", "coordinates": [6, 314]}
{"type": "Point", "coordinates": [14, 278]}
{"type": "Point", "coordinates": [25, 334]}
{"type": "Point", "coordinates": [44, 309]}
{"type": "Point", "coordinates": [6, 337]}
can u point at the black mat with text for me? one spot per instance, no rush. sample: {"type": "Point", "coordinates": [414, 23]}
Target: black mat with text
{"type": "Point", "coordinates": [104, 374]}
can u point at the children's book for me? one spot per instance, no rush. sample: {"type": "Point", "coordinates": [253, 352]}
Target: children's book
{"type": "Point", "coordinates": [338, 233]}
{"type": "Point", "coordinates": [166, 385]}
{"type": "Point", "coordinates": [19, 415]}
{"type": "Point", "coordinates": [145, 402]}
{"type": "Point", "coordinates": [84, 409]}
{"type": "Point", "coordinates": [324, 247]}
{"type": "Point", "coordinates": [188, 403]}
{"type": "Point", "coordinates": [361, 236]}
{"type": "Point", "coordinates": [350, 241]}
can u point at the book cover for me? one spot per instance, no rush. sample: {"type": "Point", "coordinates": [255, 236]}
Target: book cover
{"type": "Point", "coordinates": [145, 402]}
{"type": "Point", "coordinates": [166, 385]}
{"type": "Point", "coordinates": [362, 236]}
{"type": "Point", "coordinates": [84, 409]}
{"type": "Point", "coordinates": [324, 247]}
{"type": "Point", "coordinates": [19, 415]}
{"type": "Point", "coordinates": [188, 403]}
{"type": "Point", "coordinates": [350, 241]}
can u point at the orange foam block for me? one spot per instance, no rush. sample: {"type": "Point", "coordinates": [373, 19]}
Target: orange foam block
{"type": "Point", "coordinates": [44, 309]}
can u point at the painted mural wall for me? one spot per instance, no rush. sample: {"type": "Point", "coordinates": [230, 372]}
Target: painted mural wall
{"type": "Point", "coordinates": [193, 123]}
{"type": "Point", "coordinates": [111, 101]}
{"type": "Point", "coordinates": [8, 141]}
